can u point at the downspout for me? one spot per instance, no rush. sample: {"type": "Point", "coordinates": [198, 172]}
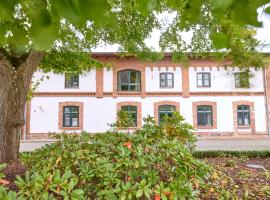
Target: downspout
{"type": "Point", "coordinates": [266, 99]}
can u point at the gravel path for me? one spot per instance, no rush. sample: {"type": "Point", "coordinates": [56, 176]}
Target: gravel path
{"type": "Point", "coordinates": [202, 145]}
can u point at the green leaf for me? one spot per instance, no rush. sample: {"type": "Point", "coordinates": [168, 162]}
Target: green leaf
{"type": "Point", "coordinates": [222, 4]}
{"type": "Point", "coordinates": [220, 40]}
{"type": "Point", "coordinates": [43, 29]}
{"type": "Point", "coordinates": [77, 194]}
{"type": "Point", "coordinates": [267, 10]}
{"type": "Point", "coordinates": [7, 9]}
{"type": "Point", "coordinates": [139, 193]}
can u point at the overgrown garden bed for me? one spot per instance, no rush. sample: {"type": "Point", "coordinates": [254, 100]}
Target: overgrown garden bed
{"type": "Point", "coordinates": [156, 162]}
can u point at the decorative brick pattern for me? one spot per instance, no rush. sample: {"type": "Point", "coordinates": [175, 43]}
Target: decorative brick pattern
{"type": "Point", "coordinates": [64, 94]}
{"type": "Point", "coordinates": [252, 116]}
{"type": "Point", "coordinates": [160, 103]}
{"type": "Point", "coordinates": [99, 83]}
{"type": "Point", "coordinates": [214, 112]}
{"type": "Point", "coordinates": [109, 94]}
{"type": "Point", "coordinates": [60, 115]}
{"type": "Point", "coordinates": [185, 81]}
{"type": "Point", "coordinates": [139, 110]}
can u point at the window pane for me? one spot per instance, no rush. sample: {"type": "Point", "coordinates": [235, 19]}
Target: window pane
{"type": "Point", "coordinates": [199, 82]}
{"type": "Point", "coordinates": [124, 87]}
{"type": "Point", "coordinates": [75, 122]}
{"type": "Point", "coordinates": [246, 118]}
{"type": "Point", "coordinates": [162, 83]}
{"type": "Point", "coordinates": [170, 83]}
{"type": "Point", "coordinates": [206, 76]}
{"type": "Point", "coordinates": [199, 76]}
{"type": "Point", "coordinates": [123, 77]}
{"type": "Point", "coordinates": [169, 76]}
{"type": "Point", "coordinates": [162, 76]}
{"type": "Point", "coordinates": [133, 77]}
{"type": "Point", "coordinates": [240, 119]}
{"type": "Point", "coordinates": [132, 88]}
{"type": "Point", "coordinates": [67, 109]}
{"type": "Point", "coordinates": [208, 119]}
{"type": "Point", "coordinates": [206, 82]}
{"type": "Point", "coordinates": [200, 119]}
{"type": "Point", "coordinates": [66, 120]}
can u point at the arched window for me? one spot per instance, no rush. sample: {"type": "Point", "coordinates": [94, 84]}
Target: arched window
{"type": "Point", "coordinates": [165, 110]}
{"type": "Point", "coordinates": [243, 115]}
{"type": "Point", "coordinates": [129, 80]}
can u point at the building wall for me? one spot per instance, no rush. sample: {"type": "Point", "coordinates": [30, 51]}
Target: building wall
{"type": "Point", "coordinates": [56, 82]}
{"type": "Point", "coordinates": [99, 97]}
{"type": "Point", "coordinates": [222, 80]}
{"type": "Point", "coordinates": [99, 113]}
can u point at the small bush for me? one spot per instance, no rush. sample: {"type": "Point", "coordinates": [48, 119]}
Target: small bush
{"type": "Point", "coordinates": [239, 154]}
{"type": "Point", "coordinates": [154, 162]}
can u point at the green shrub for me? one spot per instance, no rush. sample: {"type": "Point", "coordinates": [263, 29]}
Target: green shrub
{"type": "Point", "coordinates": [155, 161]}
{"type": "Point", "coordinates": [239, 154]}
{"type": "Point", "coordinates": [4, 193]}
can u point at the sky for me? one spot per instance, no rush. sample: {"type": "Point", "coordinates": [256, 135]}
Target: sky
{"type": "Point", "coordinates": [263, 34]}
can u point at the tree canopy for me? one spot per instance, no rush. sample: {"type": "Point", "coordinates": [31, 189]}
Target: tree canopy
{"type": "Point", "coordinates": [78, 25]}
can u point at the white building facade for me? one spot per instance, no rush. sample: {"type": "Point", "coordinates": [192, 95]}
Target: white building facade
{"type": "Point", "coordinates": [219, 101]}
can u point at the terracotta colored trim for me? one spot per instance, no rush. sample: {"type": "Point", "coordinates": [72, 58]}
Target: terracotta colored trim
{"type": "Point", "coordinates": [99, 83]}
{"type": "Point", "coordinates": [185, 81]}
{"type": "Point", "coordinates": [139, 110]}
{"type": "Point", "coordinates": [60, 115]}
{"type": "Point", "coordinates": [118, 67]}
{"type": "Point", "coordinates": [28, 117]}
{"type": "Point", "coordinates": [108, 94]}
{"type": "Point", "coordinates": [163, 94]}
{"type": "Point", "coordinates": [214, 111]}
{"type": "Point", "coordinates": [165, 62]}
{"type": "Point", "coordinates": [160, 103]}
{"type": "Point", "coordinates": [252, 116]}
{"type": "Point", "coordinates": [64, 94]}
{"type": "Point", "coordinates": [226, 93]}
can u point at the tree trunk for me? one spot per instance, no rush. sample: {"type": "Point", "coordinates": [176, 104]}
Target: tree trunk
{"type": "Point", "coordinates": [14, 86]}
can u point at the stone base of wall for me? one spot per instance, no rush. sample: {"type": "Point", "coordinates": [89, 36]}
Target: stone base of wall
{"type": "Point", "coordinates": [200, 135]}
{"type": "Point", "coordinates": [38, 136]}
{"type": "Point", "coordinates": [230, 135]}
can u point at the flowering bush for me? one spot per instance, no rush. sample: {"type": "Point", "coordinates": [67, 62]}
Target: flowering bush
{"type": "Point", "coordinates": [153, 163]}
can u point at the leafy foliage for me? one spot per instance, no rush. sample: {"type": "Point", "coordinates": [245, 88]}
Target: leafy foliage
{"type": "Point", "coordinates": [124, 121]}
{"type": "Point", "coordinates": [147, 164]}
{"type": "Point", "coordinates": [78, 26]}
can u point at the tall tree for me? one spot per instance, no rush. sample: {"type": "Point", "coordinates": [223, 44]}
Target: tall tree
{"type": "Point", "coordinates": [58, 35]}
